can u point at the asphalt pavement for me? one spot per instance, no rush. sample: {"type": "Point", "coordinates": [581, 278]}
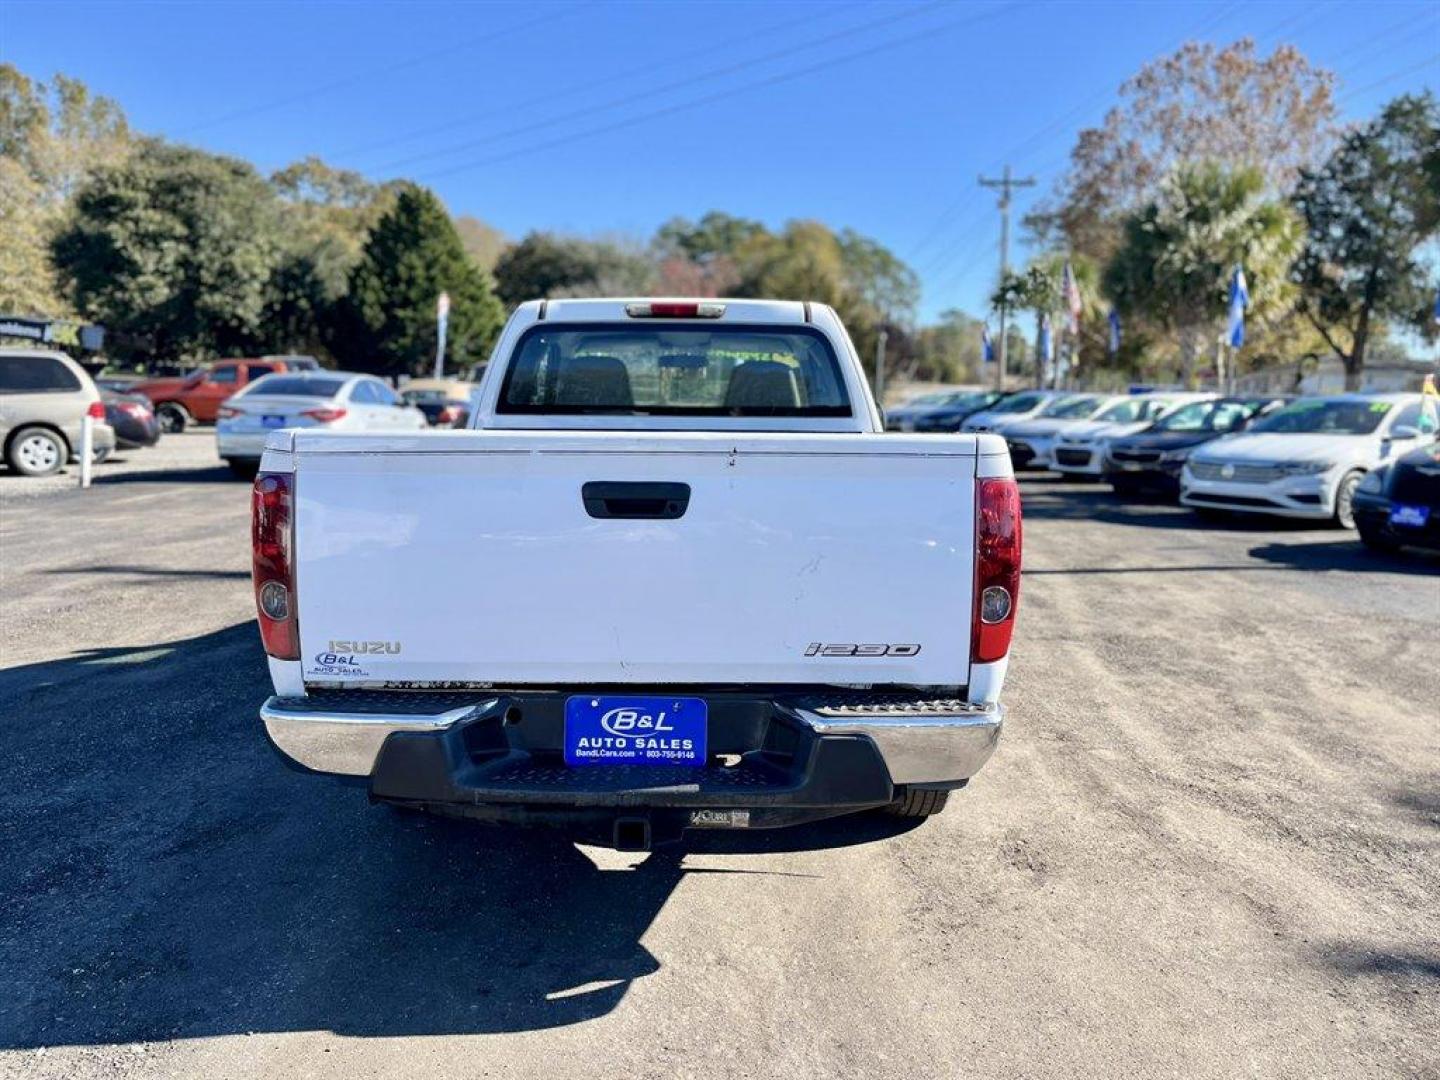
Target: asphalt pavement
{"type": "Point", "coordinates": [1208, 846]}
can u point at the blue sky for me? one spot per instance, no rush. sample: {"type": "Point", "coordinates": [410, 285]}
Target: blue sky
{"type": "Point", "coordinates": [610, 118]}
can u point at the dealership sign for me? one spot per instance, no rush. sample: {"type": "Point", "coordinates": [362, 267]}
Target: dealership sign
{"type": "Point", "coordinates": [53, 333]}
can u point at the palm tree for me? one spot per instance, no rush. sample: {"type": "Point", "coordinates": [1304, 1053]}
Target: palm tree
{"type": "Point", "coordinates": [1178, 252]}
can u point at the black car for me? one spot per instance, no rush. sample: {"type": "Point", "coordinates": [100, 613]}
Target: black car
{"type": "Point", "coordinates": [1152, 460]}
{"type": "Point", "coordinates": [133, 418]}
{"type": "Point", "coordinates": [1399, 504]}
{"type": "Point", "coordinates": [949, 417]}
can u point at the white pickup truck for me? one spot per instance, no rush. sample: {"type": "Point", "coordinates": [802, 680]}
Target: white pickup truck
{"type": "Point", "coordinates": [674, 576]}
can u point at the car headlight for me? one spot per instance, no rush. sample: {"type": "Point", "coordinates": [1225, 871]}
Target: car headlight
{"type": "Point", "coordinates": [1374, 482]}
{"type": "Point", "coordinates": [1176, 455]}
{"type": "Point", "coordinates": [1306, 468]}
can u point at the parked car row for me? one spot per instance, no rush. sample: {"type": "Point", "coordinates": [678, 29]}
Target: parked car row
{"type": "Point", "coordinates": [1366, 461]}
{"type": "Point", "coordinates": [44, 395]}
{"type": "Point", "coordinates": [198, 397]}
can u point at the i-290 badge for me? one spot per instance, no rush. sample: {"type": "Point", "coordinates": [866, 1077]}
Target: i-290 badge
{"type": "Point", "coordinates": [635, 731]}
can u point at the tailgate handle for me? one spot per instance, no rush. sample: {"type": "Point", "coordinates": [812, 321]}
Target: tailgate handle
{"type": "Point", "coordinates": [646, 499]}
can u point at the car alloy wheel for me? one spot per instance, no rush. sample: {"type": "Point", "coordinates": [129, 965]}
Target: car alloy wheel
{"type": "Point", "coordinates": [1345, 500]}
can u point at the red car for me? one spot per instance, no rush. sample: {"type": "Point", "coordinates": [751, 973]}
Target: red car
{"type": "Point", "coordinates": [197, 397]}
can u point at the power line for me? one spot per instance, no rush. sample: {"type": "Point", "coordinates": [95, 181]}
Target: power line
{"type": "Point", "coordinates": [1022, 149]}
{"type": "Point", "coordinates": [1387, 79]}
{"type": "Point", "coordinates": [1360, 46]}
{"type": "Point", "coordinates": [719, 95]}
{"type": "Point", "coordinates": [588, 86]}
{"type": "Point", "coordinates": [371, 73]}
{"type": "Point", "coordinates": [641, 95]}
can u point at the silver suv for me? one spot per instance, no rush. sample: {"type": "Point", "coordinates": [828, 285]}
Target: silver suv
{"type": "Point", "coordinates": [44, 396]}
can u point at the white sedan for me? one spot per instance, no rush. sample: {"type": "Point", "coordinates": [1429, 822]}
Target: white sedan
{"type": "Point", "coordinates": [1080, 449]}
{"type": "Point", "coordinates": [1306, 459]}
{"type": "Point", "coordinates": [334, 400]}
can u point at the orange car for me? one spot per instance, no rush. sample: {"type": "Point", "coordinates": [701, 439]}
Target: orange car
{"type": "Point", "coordinates": [196, 398]}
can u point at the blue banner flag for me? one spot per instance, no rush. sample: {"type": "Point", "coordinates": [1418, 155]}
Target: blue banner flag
{"type": "Point", "coordinates": [987, 347]}
{"type": "Point", "coordinates": [1044, 350]}
{"type": "Point", "coordinates": [1437, 305]}
{"type": "Point", "coordinates": [1114, 331]}
{"type": "Point", "coordinates": [1239, 301]}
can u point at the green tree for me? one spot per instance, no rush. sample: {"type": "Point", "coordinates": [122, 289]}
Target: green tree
{"type": "Point", "coordinates": [1368, 210]}
{"type": "Point", "coordinates": [1039, 289]}
{"type": "Point", "coordinates": [412, 256]}
{"type": "Point", "coordinates": [483, 242]}
{"type": "Point", "coordinates": [718, 235]}
{"type": "Point", "coordinates": [173, 249]}
{"type": "Point", "coordinates": [887, 287]}
{"type": "Point", "coordinates": [1274, 114]}
{"type": "Point", "coordinates": [1178, 252]}
{"type": "Point", "coordinates": [52, 135]}
{"type": "Point", "coordinates": [947, 351]}
{"type": "Point", "coordinates": [545, 265]}
{"type": "Point", "coordinates": [327, 215]}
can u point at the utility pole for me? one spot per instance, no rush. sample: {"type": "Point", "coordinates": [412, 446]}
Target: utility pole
{"type": "Point", "coordinates": [1005, 184]}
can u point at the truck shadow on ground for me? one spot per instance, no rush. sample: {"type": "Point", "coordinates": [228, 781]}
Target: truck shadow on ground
{"type": "Point", "coordinates": [164, 877]}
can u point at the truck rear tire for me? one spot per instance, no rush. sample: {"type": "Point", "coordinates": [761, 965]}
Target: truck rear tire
{"type": "Point", "coordinates": [918, 803]}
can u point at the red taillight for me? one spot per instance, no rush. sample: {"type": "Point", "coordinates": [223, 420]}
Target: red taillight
{"type": "Point", "coordinates": [96, 411]}
{"type": "Point", "coordinates": [997, 568]}
{"type": "Point", "coordinates": [660, 309]}
{"type": "Point", "coordinates": [272, 567]}
{"type": "Point", "coordinates": [448, 415]}
{"type": "Point", "coordinates": [324, 415]}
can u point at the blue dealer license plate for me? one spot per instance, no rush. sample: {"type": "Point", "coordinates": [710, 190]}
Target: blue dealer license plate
{"type": "Point", "coordinates": [634, 731]}
{"type": "Point", "coordinates": [273, 421]}
{"type": "Point", "coordinates": [1413, 517]}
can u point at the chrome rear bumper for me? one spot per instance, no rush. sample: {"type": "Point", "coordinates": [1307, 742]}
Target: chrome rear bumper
{"type": "Point", "coordinates": [920, 741]}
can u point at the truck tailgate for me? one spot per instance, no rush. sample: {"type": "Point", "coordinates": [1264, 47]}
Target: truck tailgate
{"type": "Point", "coordinates": [471, 557]}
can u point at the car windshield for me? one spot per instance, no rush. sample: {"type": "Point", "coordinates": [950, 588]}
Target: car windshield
{"type": "Point", "coordinates": [968, 401]}
{"type": "Point", "coordinates": [1320, 416]}
{"type": "Point", "coordinates": [940, 398]}
{"type": "Point", "coordinates": [425, 397]}
{"type": "Point", "coordinates": [1070, 408]}
{"type": "Point", "coordinates": [1130, 410]}
{"type": "Point", "coordinates": [292, 386]}
{"type": "Point", "coordinates": [1202, 416]}
{"type": "Point", "coordinates": [1018, 404]}
{"type": "Point", "coordinates": [670, 370]}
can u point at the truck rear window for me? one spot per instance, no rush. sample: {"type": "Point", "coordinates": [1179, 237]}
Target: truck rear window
{"type": "Point", "coordinates": [665, 369]}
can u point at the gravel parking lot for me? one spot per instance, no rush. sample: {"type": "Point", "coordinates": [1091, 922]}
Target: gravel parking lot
{"type": "Point", "coordinates": [185, 453]}
{"type": "Point", "coordinates": [1207, 846]}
